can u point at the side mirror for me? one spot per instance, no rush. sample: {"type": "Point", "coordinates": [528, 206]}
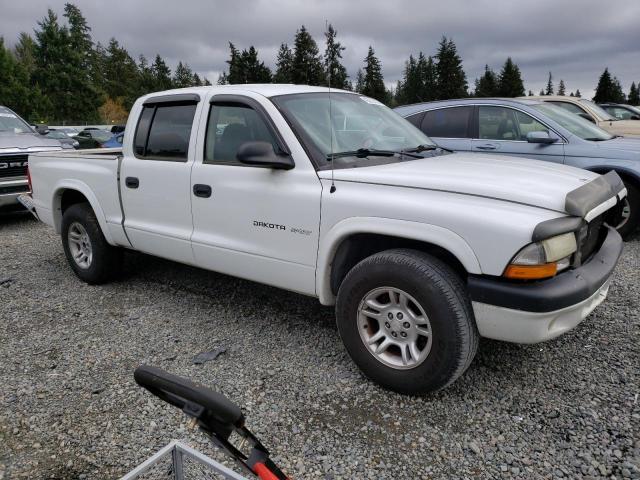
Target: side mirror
{"type": "Point", "coordinates": [540, 137]}
{"type": "Point", "coordinates": [261, 154]}
{"type": "Point", "coordinates": [586, 116]}
{"type": "Point", "coordinates": [42, 129]}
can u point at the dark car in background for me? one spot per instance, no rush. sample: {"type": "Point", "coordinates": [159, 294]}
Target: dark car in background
{"type": "Point", "coordinates": [622, 111]}
{"type": "Point", "coordinates": [63, 138]}
{"type": "Point", "coordinates": [93, 138]}
{"type": "Point", "coordinates": [533, 129]}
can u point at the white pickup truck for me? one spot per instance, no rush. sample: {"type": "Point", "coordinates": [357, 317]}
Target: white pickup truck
{"type": "Point", "coordinates": [333, 195]}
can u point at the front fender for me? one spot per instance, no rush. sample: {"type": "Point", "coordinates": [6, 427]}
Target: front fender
{"type": "Point", "coordinates": [442, 237]}
{"type": "Point", "coordinates": [84, 189]}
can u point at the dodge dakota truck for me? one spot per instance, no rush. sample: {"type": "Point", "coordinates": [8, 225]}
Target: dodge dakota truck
{"type": "Point", "coordinates": [17, 141]}
{"type": "Point", "coordinates": [333, 195]}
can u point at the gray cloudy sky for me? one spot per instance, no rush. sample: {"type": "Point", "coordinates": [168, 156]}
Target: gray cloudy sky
{"type": "Point", "coordinates": [575, 39]}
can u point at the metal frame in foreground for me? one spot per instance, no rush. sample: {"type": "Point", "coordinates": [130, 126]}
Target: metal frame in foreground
{"type": "Point", "coordinates": [178, 451]}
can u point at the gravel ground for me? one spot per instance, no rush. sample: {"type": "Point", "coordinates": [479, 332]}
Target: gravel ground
{"type": "Point", "coordinates": [70, 408]}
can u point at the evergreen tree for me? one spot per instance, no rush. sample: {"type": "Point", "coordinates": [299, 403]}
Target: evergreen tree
{"type": "Point", "coordinates": [530, 93]}
{"type": "Point", "coordinates": [79, 58]}
{"type": "Point", "coordinates": [245, 67]}
{"type": "Point", "coordinates": [51, 71]}
{"type": "Point", "coordinates": [255, 71]}
{"type": "Point", "coordinates": [121, 75]}
{"type": "Point", "coordinates": [634, 94]}
{"type": "Point", "coordinates": [549, 90]}
{"type": "Point", "coordinates": [16, 91]}
{"type": "Point", "coordinates": [572, 94]}
{"type": "Point", "coordinates": [408, 89]}
{"type": "Point", "coordinates": [561, 88]}
{"type": "Point", "coordinates": [161, 74]}
{"type": "Point", "coordinates": [196, 81]}
{"type": "Point", "coordinates": [307, 63]}
{"type": "Point", "coordinates": [223, 79]}
{"type": "Point", "coordinates": [333, 68]}
{"type": "Point", "coordinates": [618, 94]}
{"type": "Point", "coordinates": [146, 82]}
{"type": "Point", "coordinates": [284, 65]}
{"type": "Point", "coordinates": [487, 84]}
{"type": "Point", "coordinates": [25, 53]}
{"type": "Point", "coordinates": [578, 93]}
{"type": "Point", "coordinates": [236, 70]}
{"type": "Point", "coordinates": [510, 81]}
{"type": "Point", "coordinates": [452, 81]}
{"type": "Point", "coordinates": [429, 76]}
{"type": "Point", "coordinates": [359, 87]}
{"type": "Point", "coordinates": [541, 92]}
{"type": "Point", "coordinates": [373, 82]}
{"type": "Point", "coordinates": [605, 88]}
{"type": "Point", "coordinates": [183, 76]}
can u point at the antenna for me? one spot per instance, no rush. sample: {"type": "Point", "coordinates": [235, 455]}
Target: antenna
{"type": "Point", "coordinates": [330, 65]}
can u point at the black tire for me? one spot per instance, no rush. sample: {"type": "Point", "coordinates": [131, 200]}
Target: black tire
{"type": "Point", "coordinates": [633, 221]}
{"type": "Point", "coordinates": [442, 295]}
{"type": "Point", "coordinates": [106, 260]}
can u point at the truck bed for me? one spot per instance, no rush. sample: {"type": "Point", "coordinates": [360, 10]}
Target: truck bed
{"type": "Point", "coordinates": [94, 173]}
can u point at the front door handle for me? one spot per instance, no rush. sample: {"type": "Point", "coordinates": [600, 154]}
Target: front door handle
{"type": "Point", "coordinates": [486, 146]}
{"type": "Point", "coordinates": [132, 182]}
{"type": "Point", "coordinates": [200, 190]}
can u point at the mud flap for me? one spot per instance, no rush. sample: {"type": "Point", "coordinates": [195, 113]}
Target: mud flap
{"type": "Point", "coordinates": [27, 202]}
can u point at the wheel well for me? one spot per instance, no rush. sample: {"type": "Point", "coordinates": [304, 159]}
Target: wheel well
{"type": "Point", "coordinates": [71, 197]}
{"type": "Point", "coordinates": [359, 246]}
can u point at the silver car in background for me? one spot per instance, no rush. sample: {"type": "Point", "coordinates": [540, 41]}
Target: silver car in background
{"type": "Point", "coordinates": [533, 129]}
{"type": "Point", "coordinates": [17, 141]}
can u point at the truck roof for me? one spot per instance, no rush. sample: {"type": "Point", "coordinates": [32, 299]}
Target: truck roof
{"type": "Point", "coordinates": [265, 89]}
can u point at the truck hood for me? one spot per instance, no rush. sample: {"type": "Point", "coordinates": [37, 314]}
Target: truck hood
{"type": "Point", "coordinates": [23, 141]}
{"type": "Point", "coordinates": [531, 182]}
{"type": "Point", "coordinates": [622, 127]}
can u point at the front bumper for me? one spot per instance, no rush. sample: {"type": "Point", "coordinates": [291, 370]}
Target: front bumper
{"type": "Point", "coordinates": [10, 190]}
{"type": "Point", "coordinates": [538, 311]}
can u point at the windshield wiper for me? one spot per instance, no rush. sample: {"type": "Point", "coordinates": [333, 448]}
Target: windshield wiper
{"type": "Point", "coordinates": [420, 148]}
{"type": "Point", "coordinates": [370, 152]}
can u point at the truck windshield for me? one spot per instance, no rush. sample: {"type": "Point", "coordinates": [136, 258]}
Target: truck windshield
{"type": "Point", "coordinates": [575, 124]}
{"type": "Point", "coordinates": [357, 123]}
{"type": "Point", "coordinates": [10, 122]}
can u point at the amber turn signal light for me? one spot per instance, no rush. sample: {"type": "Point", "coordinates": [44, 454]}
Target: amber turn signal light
{"type": "Point", "coordinates": [531, 272]}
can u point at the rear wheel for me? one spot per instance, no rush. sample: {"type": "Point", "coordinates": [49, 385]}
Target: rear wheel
{"type": "Point", "coordinates": [630, 219]}
{"type": "Point", "coordinates": [406, 321]}
{"type": "Point", "coordinates": [88, 252]}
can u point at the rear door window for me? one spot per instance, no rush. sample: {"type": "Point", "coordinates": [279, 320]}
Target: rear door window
{"type": "Point", "coordinates": [169, 130]}
{"type": "Point", "coordinates": [451, 122]}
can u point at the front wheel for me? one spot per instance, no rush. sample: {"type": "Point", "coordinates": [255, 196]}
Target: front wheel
{"type": "Point", "coordinates": [630, 219]}
{"type": "Point", "coordinates": [406, 321]}
{"type": "Point", "coordinates": [88, 252]}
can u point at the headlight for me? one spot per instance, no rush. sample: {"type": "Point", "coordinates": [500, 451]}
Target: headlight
{"type": "Point", "coordinates": [543, 259]}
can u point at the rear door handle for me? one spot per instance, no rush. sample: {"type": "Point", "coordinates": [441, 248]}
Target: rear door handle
{"type": "Point", "coordinates": [132, 182]}
{"type": "Point", "coordinates": [487, 146]}
{"type": "Point", "coordinates": [200, 190]}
